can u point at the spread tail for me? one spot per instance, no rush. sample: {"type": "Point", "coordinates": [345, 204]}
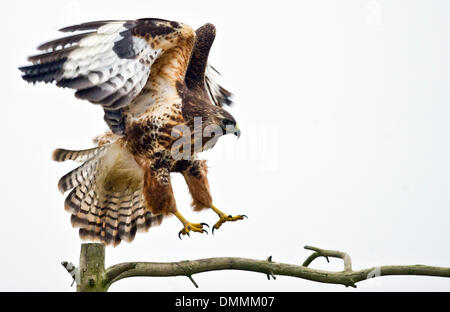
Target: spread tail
{"type": "Point", "coordinates": [106, 199]}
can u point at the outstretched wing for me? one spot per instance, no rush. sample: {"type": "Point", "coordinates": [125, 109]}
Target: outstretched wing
{"type": "Point", "coordinates": [108, 63]}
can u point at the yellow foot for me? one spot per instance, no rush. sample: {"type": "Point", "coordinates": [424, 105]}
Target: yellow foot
{"type": "Point", "coordinates": [188, 226]}
{"type": "Point", "coordinates": [195, 227]}
{"type": "Point", "coordinates": [224, 218]}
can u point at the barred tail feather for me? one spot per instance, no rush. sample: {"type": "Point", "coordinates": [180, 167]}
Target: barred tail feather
{"type": "Point", "coordinates": [107, 201]}
{"type": "Point", "coordinates": [78, 175]}
{"type": "Point", "coordinates": [80, 156]}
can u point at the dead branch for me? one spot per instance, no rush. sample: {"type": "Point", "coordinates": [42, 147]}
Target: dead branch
{"type": "Point", "coordinates": [100, 278]}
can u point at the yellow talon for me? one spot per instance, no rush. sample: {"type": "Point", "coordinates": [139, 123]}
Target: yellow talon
{"type": "Point", "coordinates": [224, 218]}
{"type": "Point", "coordinates": [188, 227]}
{"type": "Point", "coordinates": [195, 227]}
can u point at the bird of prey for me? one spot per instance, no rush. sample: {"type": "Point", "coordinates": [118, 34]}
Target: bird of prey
{"type": "Point", "coordinates": [154, 82]}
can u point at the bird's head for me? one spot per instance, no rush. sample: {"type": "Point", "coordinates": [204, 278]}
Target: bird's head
{"type": "Point", "coordinates": [226, 122]}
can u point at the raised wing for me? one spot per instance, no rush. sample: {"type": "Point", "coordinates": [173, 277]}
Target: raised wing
{"type": "Point", "coordinates": [109, 63]}
{"type": "Point", "coordinates": [200, 73]}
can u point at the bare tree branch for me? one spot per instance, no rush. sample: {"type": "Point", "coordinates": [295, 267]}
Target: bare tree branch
{"type": "Point", "coordinates": [329, 253]}
{"type": "Point", "coordinates": [347, 277]}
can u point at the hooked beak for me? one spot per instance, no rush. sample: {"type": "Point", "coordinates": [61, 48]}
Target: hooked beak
{"type": "Point", "coordinates": [235, 130]}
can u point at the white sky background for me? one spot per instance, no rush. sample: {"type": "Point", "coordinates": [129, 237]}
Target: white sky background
{"type": "Point", "coordinates": [356, 97]}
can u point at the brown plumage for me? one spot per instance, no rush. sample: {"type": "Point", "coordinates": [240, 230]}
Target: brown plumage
{"type": "Point", "coordinates": [151, 77]}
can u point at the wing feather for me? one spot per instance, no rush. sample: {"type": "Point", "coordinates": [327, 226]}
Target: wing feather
{"type": "Point", "coordinates": [108, 64]}
{"type": "Point", "coordinates": [218, 94]}
{"type": "Point", "coordinates": [200, 72]}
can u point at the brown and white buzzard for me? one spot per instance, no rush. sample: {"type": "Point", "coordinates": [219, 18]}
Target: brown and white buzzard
{"type": "Point", "coordinates": [152, 79]}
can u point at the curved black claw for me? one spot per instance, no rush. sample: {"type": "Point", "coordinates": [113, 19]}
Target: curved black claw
{"type": "Point", "coordinates": [179, 234]}
{"type": "Point", "coordinates": [213, 230]}
{"type": "Point", "coordinates": [204, 224]}
{"type": "Point", "coordinates": [205, 231]}
{"type": "Point", "coordinates": [245, 216]}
